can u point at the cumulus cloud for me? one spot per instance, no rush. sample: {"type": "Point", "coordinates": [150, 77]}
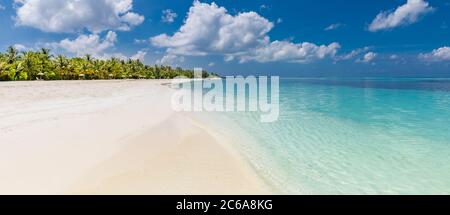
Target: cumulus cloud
{"type": "Point", "coordinates": [76, 15]}
{"type": "Point", "coordinates": [353, 54]}
{"type": "Point", "coordinates": [291, 52]}
{"type": "Point", "coordinates": [21, 47]}
{"type": "Point", "coordinates": [404, 15]}
{"type": "Point", "coordinates": [94, 45]}
{"type": "Point", "coordinates": [88, 44]}
{"type": "Point", "coordinates": [168, 16]}
{"type": "Point", "coordinates": [170, 59]}
{"type": "Point", "coordinates": [440, 54]}
{"type": "Point", "coordinates": [140, 55]}
{"type": "Point", "coordinates": [211, 30]}
{"type": "Point", "coordinates": [368, 57]}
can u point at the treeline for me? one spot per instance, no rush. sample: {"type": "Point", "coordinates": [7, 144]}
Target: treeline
{"type": "Point", "coordinates": [41, 65]}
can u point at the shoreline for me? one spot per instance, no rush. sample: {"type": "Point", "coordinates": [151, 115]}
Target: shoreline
{"type": "Point", "coordinates": [195, 163]}
{"type": "Point", "coordinates": [111, 137]}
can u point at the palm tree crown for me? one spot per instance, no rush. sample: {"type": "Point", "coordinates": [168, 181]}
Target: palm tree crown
{"type": "Point", "coordinates": [41, 65]}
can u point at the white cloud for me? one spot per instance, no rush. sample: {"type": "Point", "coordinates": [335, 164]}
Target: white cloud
{"type": "Point", "coordinates": [394, 57]}
{"type": "Point", "coordinates": [211, 30]}
{"type": "Point", "coordinates": [404, 15]}
{"type": "Point", "coordinates": [132, 19]}
{"type": "Point", "coordinates": [94, 45]}
{"type": "Point", "coordinates": [228, 58]}
{"type": "Point", "coordinates": [170, 59]}
{"type": "Point", "coordinates": [333, 26]}
{"type": "Point", "coordinates": [352, 54]}
{"type": "Point", "coordinates": [368, 57]}
{"type": "Point", "coordinates": [116, 55]}
{"type": "Point", "coordinates": [140, 55]}
{"type": "Point", "coordinates": [76, 15]}
{"type": "Point", "coordinates": [291, 52]}
{"type": "Point", "coordinates": [168, 16]}
{"type": "Point", "coordinates": [139, 41]}
{"type": "Point", "coordinates": [21, 47]}
{"type": "Point", "coordinates": [2, 7]}
{"type": "Point", "coordinates": [440, 54]}
{"type": "Point", "coordinates": [88, 44]}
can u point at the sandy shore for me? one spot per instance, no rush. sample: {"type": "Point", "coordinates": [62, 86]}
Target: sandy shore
{"type": "Point", "coordinates": [111, 137]}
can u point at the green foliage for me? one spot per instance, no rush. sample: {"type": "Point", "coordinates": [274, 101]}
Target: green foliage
{"type": "Point", "coordinates": [23, 76]}
{"type": "Point", "coordinates": [41, 65]}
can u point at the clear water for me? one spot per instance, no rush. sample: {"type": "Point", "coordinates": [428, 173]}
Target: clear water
{"type": "Point", "coordinates": [350, 136]}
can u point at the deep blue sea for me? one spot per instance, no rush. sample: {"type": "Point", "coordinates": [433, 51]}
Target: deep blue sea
{"type": "Point", "coordinates": [350, 136]}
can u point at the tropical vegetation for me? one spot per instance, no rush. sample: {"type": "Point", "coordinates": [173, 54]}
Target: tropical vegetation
{"type": "Point", "coordinates": [42, 65]}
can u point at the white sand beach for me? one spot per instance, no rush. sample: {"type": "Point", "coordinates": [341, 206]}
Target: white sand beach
{"type": "Point", "coordinates": [111, 137]}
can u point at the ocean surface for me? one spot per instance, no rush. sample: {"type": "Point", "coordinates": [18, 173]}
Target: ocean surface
{"type": "Point", "coordinates": [349, 136]}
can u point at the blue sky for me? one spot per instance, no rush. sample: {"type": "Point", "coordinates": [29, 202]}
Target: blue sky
{"type": "Point", "coordinates": [289, 38]}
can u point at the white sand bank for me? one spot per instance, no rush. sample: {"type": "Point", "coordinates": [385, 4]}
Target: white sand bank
{"type": "Point", "coordinates": [110, 137]}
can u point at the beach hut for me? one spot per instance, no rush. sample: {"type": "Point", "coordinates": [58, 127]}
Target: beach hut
{"type": "Point", "coordinates": [41, 74]}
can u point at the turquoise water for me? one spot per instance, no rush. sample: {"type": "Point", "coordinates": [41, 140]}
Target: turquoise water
{"type": "Point", "coordinates": [350, 136]}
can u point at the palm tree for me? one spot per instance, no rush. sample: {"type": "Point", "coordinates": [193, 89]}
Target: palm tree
{"type": "Point", "coordinates": [61, 67]}
{"type": "Point", "coordinates": [29, 65]}
{"type": "Point", "coordinates": [11, 54]}
{"type": "Point", "coordinates": [32, 65]}
{"type": "Point", "coordinates": [45, 53]}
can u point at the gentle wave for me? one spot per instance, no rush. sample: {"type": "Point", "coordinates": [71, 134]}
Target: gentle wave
{"type": "Point", "coordinates": [350, 138]}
